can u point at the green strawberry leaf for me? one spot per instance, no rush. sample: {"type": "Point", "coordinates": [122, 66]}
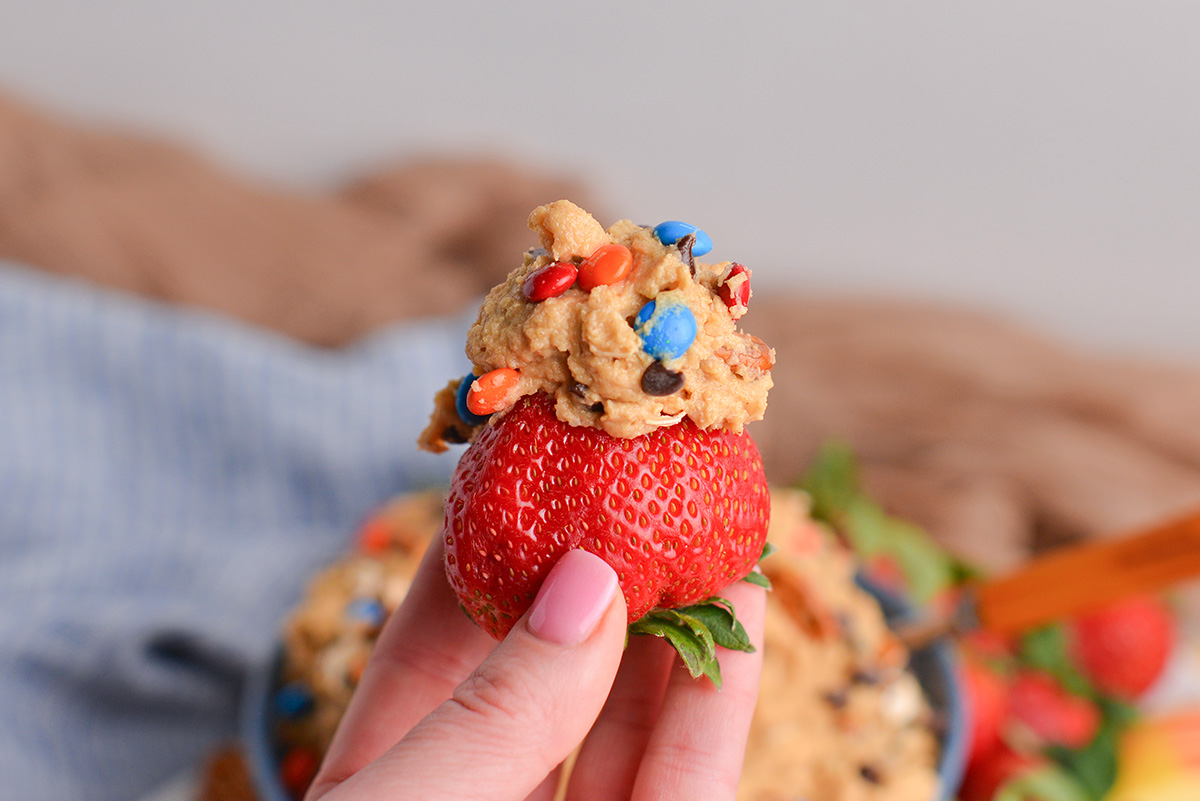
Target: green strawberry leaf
{"type": "Point", "coordinates": [757, 579]}
{"type": "Point", "coordinates": [696, 654]}
{"type": "Point", "coordinates": [1045, 784]}
{"type": "Point", "coordinates": [726, 631]}
{"type": "Point", "coordinates": [768, 549]}
{"type": "Point", "coordinates": [695, 632]}
{"type": "Point", "coordinates": [683, 617]}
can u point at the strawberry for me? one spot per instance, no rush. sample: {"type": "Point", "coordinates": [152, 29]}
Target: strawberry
{"type": "Point", "coordinates": [679, 514]}
{"type": "Point", "coordinates": [1123, 647]}
{"type": "Point", "coordinates": [1053, 715]}
{"type": "Point", "coordinates": [987, 698]}
{"type": "Point", "coordinates": [997, 768]}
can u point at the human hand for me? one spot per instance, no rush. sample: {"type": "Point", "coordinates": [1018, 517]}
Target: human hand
{"type": "Point", "coordinates": [445, 712]}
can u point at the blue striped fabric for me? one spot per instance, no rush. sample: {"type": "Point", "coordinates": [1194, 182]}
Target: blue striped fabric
{"type": "Point", "coordinates": [168, 480]}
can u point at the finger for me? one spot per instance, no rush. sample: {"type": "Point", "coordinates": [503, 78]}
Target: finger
{"type": "Point", "coordinates": [426, 650]}
{"type": "Point", "coordinates": [519, 715]}
{"type": "Point", "coordinates": [548, 789]}
{"type": "Point", "coordinates": [697, 747]}
{"type": "Point", "coordinates": [608, 762]}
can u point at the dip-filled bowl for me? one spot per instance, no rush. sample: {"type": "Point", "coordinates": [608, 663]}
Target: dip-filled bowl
{"type": "Point", "coordinates": [280, 749]}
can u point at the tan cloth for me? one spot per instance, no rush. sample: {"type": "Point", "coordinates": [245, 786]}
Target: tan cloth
{"type": "Point", "coordinates": [998, 440]}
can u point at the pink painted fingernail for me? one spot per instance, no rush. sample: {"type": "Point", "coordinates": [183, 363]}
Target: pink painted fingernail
{"type": "Point", "coordinates": [573, 598]}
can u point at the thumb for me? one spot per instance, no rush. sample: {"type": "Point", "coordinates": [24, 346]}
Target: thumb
{"type": "Point", "coordinates": [524, 709]}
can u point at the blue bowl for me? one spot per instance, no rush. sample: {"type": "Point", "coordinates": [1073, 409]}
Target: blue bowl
{"type": "Point", "coordinates": [936, 669]}
{"type": "Point", "coordinates": [934, 666]}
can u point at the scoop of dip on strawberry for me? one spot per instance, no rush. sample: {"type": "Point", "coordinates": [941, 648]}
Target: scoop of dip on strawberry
{"type": "Point", "coordinates": [606, 411]}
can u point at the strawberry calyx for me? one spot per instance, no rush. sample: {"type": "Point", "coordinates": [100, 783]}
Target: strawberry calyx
{"type": "Point", "coordinates": [695, 632]}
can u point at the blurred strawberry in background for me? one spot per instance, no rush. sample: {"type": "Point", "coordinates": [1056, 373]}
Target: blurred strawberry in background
{"type": "Point", "coordinates": [987, 700]}
{"type": "Point", "coordinates": [1043, 707]}
{"type": "Point", "coordinates": [1052, 711]}
{"type": "Point", "coordinates": [1123, 647]}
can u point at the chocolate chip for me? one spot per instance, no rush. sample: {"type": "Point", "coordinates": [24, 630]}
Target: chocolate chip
{"type": "Point", "coordinates": [685, 245]}
{"type": "Point", "coordinates": [658, 381]}
{"type": "Point", "coordinates": [837, 698]}
{"type": "Point", "coordinates": [596, 408]}
{"type": "Point", "coordinates": [871, 774]}
{"type": "Point", "coordinates": [578, 390]}
{"type": "Point", "coordinates": [453, 435]}
{"type": "Point", "coordinates": [868, 677]}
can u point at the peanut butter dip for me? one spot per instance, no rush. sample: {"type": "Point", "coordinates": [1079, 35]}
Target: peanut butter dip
{"type": "Point", "coordinates": [612, 355]}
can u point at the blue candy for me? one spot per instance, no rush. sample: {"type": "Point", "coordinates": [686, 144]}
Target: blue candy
{"type": "Point", "coordinates": [469, 417]}
{"type": "Point", "coordinates": [293, 701]}
{"type": "Point", "coordinates": [667, 329]}
{"type": "Point", "coordinates": [672, 231]}
{"type": "Point", "coordinates": [367, 610]}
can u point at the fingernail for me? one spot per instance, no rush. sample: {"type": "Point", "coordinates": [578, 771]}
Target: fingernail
{"type": "Point", "coordinates": [573, 598]}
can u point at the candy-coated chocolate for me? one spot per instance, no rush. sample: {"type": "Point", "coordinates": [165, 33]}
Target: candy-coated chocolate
{"type": "Point", "coordinates": [493, 391]}
{"type": "Point", "coordinates": [469, 417]}
{"type": "Point", "coordinates": [366, 610]}
{"type": "Point", "coordinates": [608, 264]}
{"type": "Point", "coordinates": [735, 290]}
{"type": "Point", "coordinates": [667, 328]}
{"type": "Point", "coordinates": [659, 381]}
{"type": "Point", "coordinates": [375, 536]}
{"type": "Point", "coordinates": [672, 231]}
{"type": "Point", "coordinates": [297, 769]}
{"type": "Point", "coordinates": [293, 701]}
{"type": "Point", "coordinates": [549, 281]}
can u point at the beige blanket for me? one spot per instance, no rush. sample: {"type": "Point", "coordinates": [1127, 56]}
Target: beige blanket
{"type": "Point", "coordinates": [999, 440]}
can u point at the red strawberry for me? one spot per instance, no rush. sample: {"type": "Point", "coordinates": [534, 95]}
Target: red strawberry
{"type": "Point", "coordinates": [996, 769]}
{"type": "Point", "coordinates": [987, 697]}
{"type": "Point", "coordinates": [1056, 716]}
{"type": "Point", "coordinates": [679, 513]}
{"type": "Point", "coordinates": [1124, 646]}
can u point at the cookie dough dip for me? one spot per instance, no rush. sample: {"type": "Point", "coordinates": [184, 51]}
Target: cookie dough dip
{"type": "Point", "coordinates": [840, 716]}
{"type": "Point", "coordinates": [624, 328]}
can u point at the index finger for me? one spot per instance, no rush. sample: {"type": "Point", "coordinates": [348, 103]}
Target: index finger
{"type": "Point", "coordinates": [426, 649]}
{"type": "Point", "coordinates": [699, 743]}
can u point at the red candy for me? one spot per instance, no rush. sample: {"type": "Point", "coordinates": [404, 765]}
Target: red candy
{"type": "Point", "coordinates": [735, 293]}
{"type": "Point", "coordinates": [297, 769]}
{"type": "Point", "coordinates": [549, 281]}
{"type": "Point", "coordinates": [608, 264]}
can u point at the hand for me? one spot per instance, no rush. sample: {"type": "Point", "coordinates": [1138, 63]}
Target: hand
{"type": "Point", "coordinates": [444, 712]}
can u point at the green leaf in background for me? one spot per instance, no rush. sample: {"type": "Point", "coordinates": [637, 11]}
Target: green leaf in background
{"type": "Point", "coordinates": [1045, 784]}
{"type": "Point", "coordinates": [837, 499]}
{"type": "Point", "coordinates": [1046, 649]}
{"type": "Point", "coordinates": [1095, 765]}
{"type": "Point", "coordinates": [832, 481]}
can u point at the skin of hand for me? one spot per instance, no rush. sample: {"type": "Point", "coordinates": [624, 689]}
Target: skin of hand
{"type": "Point", "coordinates": [445, 712]}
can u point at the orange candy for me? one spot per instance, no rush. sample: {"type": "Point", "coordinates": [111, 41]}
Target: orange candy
{"type": "Point", "coordinates": [493, 391]}
{"type": "Point", "coordinates": [375, 536]}
{"type": "Point", "coordinates": [608, 264]}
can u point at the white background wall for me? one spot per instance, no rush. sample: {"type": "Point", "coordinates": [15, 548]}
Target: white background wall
{"type": "Point", "coordinates": [1038, 158]}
